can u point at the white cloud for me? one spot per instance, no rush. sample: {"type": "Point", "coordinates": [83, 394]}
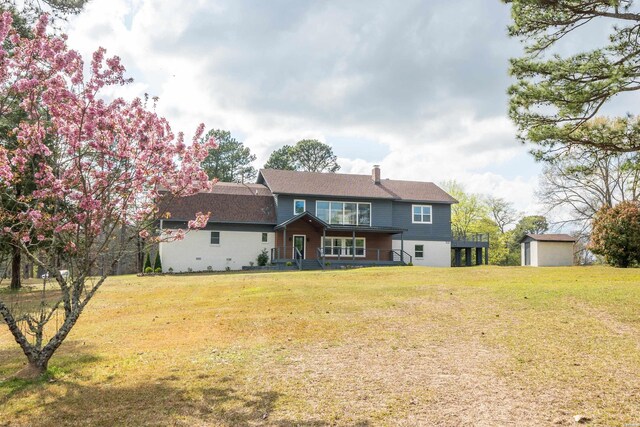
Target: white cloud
{"type": "Point", "coordinates": [427, 80]}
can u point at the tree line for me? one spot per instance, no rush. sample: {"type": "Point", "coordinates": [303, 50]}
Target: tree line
{"type": "Point", "coordinates": [231, 160]}
{"type": "Point", "coordinates": [495, 217]}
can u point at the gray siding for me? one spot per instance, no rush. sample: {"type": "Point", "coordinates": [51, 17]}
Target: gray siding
{"type": "Point", "coordinates": [439, 229]}
{"type": "Point", "coordinates": [381, 210]}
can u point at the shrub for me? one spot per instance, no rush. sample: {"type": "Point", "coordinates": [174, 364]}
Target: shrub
{"type": "Point", "coordinates": [158, 270]}
{"type": "Point", "coordinates": [147, 263]}
{"type": "Point", "coordinates": [410, 264]}
{"type": "Point", "coordinates": [209, 268]}
{"type": "Point", "coordinates": [148, 270]}
{"type": "Point", "coordinates": [157, 264]}
{"type": "Point", "coordinates": [190, 270]}
{"type": "Point", "coordinates": [170, 270]}
{"type": "Point", "coordinates": [616, 234]}
{"type": "Point", "coordinates": [289, 264]}
{"type": "Point", "coordinates": [263, 258]}
{"type": "Point", "coordinates": [251, 263]}
{"type": "Point", "coordinates": [327, 263]}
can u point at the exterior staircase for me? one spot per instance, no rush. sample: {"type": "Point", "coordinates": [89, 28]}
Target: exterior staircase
{"type": "Point", "coordinates": [310, 264]}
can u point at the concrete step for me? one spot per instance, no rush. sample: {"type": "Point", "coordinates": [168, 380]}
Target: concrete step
{"type": "Point", "coordinates": [310, 264]}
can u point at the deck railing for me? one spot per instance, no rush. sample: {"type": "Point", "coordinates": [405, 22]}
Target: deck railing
{"type": "Point", "coordinates": [331, 254]}
{"type": "Point", "coordinates": [471, 237]}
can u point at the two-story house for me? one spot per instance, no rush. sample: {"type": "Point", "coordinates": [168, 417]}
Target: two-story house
{"type": "Point", "coordinates": [312, 220]}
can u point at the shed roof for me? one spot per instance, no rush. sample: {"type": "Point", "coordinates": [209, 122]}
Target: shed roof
{"type": "Point", "coordinates": [351, 185]}
{"type": "Point", "coordinates": [550, 238]}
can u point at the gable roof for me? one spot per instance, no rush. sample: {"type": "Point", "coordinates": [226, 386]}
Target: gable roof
{"type": "Point", "coordinates": [350, 185]}
{"type": "Point", "coordinates": [227, 202]}
{"type": "Point", "coordinates": [550, 237]}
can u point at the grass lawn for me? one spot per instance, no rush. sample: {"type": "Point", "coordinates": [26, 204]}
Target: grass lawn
{"type": "Point", "coordinates": [385, 346]}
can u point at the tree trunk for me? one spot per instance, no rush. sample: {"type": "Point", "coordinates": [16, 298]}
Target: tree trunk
{"type": "Point", "coordinates": [32, 370]}
{"type": "Point", "coordinates": [15, 269]}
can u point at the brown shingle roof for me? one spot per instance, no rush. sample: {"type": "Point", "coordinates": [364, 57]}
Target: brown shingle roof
{"type": "Point", "coordinates": [351, 185]}
{"type": "Point", "coordinates": [551, 237]}
{"type": "Point", "coordinates": [227, 202]}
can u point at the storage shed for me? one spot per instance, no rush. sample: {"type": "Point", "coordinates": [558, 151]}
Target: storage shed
{"type": "Point", "coordinates": [547, 250]}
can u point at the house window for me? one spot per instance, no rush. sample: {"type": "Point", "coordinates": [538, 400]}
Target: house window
{"type": "Point", "coordinates": [299, 206]}
{"type": "Point", "coordinates": [343, 246]}
{"type": "Point", "coordinates": [265, 237]}
{"type": "Point", "coordinates": [421, 214]}
{"type": "Point", "coordinates": [419, 251]}
{"type": "Point", "coordinates": [344, 213]}
{"type": "Point", "coordinates": [215, 237]}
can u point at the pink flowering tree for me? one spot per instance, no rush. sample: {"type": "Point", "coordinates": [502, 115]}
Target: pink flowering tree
{"type": "Point", "coordinates": [96, 170]}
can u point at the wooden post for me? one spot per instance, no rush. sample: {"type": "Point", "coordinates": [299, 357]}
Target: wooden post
{"type": "Point", "coordinates": [458, 257]}
{"type": "Point", "coordinates": [284, 232]}
{"type": "Point", "coordinates": [322, 245]}
{"type": "Point", "coordinates": [353, 245]}
{"type": "Point", "coordinates": [467, 256]}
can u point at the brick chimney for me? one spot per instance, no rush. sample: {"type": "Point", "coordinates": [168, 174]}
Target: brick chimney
{"type": "Point", "coordinates": [375, 174]}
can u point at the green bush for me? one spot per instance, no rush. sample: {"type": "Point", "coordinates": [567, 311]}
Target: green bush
{"type": "Point", "coordinates": [289, 264]}
{"type": "Point", "coordinates": [263, 258]}
{"type": "Point", "coordinates": [148, 270]}
{"type": "Point", "coordinates": [157, 265]}
{"type": "Point", "coordinates": [616, 234]}
{"type": "Point", "coordinates": [328, 263]}
{"type": "Point", "coordinates": [158, 270]}
{"type": "Point", "coordinates": [410, 264]}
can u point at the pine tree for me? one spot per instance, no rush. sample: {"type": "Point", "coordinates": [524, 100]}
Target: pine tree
{"type": "Point", "coordinates": [147, 264]}
{"type": "Point", "coordinates": [157, 265]}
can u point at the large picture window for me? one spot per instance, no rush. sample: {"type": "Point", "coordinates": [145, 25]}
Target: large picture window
{"type": "Point", "coordinates": [343, 246]}
{"type": "Point", "coordinates": [344, 213]}
{"type": "Point", "coordinates": [421, 214]}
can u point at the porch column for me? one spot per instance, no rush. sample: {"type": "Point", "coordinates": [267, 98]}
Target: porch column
{"type": "Point", "coordinates": [324, 236]}
{"type": "Point", "coordinates": [467, 256]}
{"type": "Point", "coordinates": [284, 233]}
{"type": "Point", "coordinates": [353, 245]}
{"type": "Point", "coordinates": [402, 247]}
{"type": "Point", "coordinates": [478, 256]}
{"type": "Point", "coordinates": [458, 256]}
{"type": "Point", "coordinates": [486, 256]}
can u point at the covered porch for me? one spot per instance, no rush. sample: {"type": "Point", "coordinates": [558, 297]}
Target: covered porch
{"type": "Point", "coordinates": [308, 241]}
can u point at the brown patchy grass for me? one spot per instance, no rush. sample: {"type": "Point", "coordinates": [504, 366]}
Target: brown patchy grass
{"type": "Point", "coordinates": [389, 346]}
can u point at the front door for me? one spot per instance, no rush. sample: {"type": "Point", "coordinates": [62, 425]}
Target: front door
{"type": "Point", "coordinates": [299, 243]}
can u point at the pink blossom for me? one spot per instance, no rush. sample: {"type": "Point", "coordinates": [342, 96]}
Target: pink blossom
{"type": "Point", "coordinates": [110, 158]}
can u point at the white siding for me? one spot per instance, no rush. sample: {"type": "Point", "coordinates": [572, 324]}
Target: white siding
{"type": "Point", "coordinates": [236, 249]}
{"type": "Point", "coordinates": [554, 254]}
{"type": "Point", "coordinates": [550, 254]}
{"type": "Point", "coordinates": [436, 254]}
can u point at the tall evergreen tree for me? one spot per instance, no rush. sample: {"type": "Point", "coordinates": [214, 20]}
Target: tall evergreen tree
{"type": "Point", "coordinates": [557, 96]}
{"type": "Point", "coordinates": [230, 161]}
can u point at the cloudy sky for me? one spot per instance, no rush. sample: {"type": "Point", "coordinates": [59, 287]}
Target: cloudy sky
{"type": "Point", "coordinates": [416, 86]}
